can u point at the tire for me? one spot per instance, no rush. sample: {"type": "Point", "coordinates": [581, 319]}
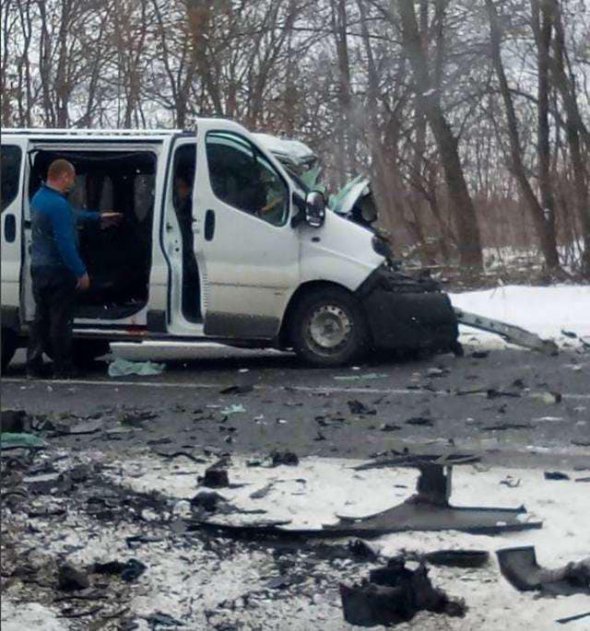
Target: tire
{"type": "Point", "coordinates": [328, 328]}
{"type": "Point", "coordinates": [9, 346]}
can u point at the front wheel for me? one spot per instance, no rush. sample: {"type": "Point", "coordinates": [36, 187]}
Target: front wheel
{"type": "Point", "coordinates": [328, 328]}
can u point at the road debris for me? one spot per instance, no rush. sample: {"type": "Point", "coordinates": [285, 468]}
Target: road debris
{"type": "Point", "coordinates": [13, 421]}
{"type": "Point", "coordinates": [519, 566]}
{"type": "Point", "coordinates": [230, 410]}
{"type": "Point", "coordinates": [123, 368]}
{"type": "Point", "coordinates": [395, 594]}
{"type": "Point", "coordinates": [457, 558]}
{"type": "Point", "coordinates": [235, 389]}
{"type": "Point", "coordinates": [70, 578]}
{"type": "Point", "coordinates": [129, 571]}
{"type": "Point", "coordinates": [216, 477]}
{"type": "Point", "coordinates": [575, 618]}
{"type": "Point", "coordinates": [19, 440]}
{"type": "Point", "coordinates": [555, 475]}
{"type": "Point", "coordinates": [360, 409]}
{"type": "Point", "coordinates": [288, 458]}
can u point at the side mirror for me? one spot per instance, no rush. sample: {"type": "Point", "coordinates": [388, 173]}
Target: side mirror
{"type": "Point", "coordinates": [315, 209]}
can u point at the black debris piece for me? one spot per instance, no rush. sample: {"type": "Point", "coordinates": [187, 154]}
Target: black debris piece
{"type": "Point", "coordinates": [395, 594]}
{"type": "Point", "coordinates": [215, 477]}
{"type": "Point", "coordinates": [284, 458]}
{"type": "Point", "coordinates": [207, 500]}
{"type": "Point", "coordinates": [262, 492]}
{"type": "Point", "coordinates": [519, 566]}
{"type": "Point", "coordinates": [555, 475]}
{"type": "Point", "coordinates": [319, 437]}
{"type": "Point", "coordinates": [480, 354]}
{"type": "Point", "coordinates": [70, 578]}
{"type": "Point", "coordinates": [236, 389]}
{"type": "Point", "coordinates": [493, 393]}
{"type": "Point", "coordinates": [159, 619]}
{"type": "Point", "coordinates": [128, 571]}
{"type": "Point", "coordinates": [134, 541]}
{"type": "Point", "coordinates": [575, 618]}
{"type": "Point", "coordinates": [173, 451]}
{"type": "Point", "coordinates": [420, 420]}
{"type": "Point", "coordinates": [389, 427]}
{"type": "Point", "coordinates": [586, 479]}
{"type": "Point", "coordinates": [362, 550]}
{"type": "Point", "coordinates": [359, 408]}
{"type": "Point", "coordinates": [458, 558]}
{"type": "Point", "coordinates": [416, 460]}
{"type": "Point", "coordinates": [427, 510]}
{"type": "Point", "coordinates": [136, 418]}
{"type": "Point", "coordinates": [503, 427]}
{"type": "Point", "coordinates": [13, 421]}
{"type": "Point", "coordinates": [569, 334]}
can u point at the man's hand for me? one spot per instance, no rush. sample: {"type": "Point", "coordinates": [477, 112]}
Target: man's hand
{"type": "Point", "coordinates": [83, 283]}
{"type": "Point", "coordinates": [110, 218]}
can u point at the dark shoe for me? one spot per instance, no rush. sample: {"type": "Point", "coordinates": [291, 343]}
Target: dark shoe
{"type": "Point", "coordinates": [42, 371]}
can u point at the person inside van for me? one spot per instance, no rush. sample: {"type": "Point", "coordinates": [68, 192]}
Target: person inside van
{"type": "Point", "coordinates": [183, 205]}
{"type": "Point", "coordinates": [57, 270]}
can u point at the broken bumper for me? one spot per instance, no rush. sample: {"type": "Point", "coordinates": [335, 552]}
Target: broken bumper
{"type": "Point", "coordinates": [408, 314]}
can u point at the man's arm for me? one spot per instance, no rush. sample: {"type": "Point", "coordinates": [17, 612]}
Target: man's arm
{"type": "Point", "coordinates": [87, 216]}
{"type": "Point", "coordinates": [63, 232]}
{"type": "Point", "coordinates": [106, 218]}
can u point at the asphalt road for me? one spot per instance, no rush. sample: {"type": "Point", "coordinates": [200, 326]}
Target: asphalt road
{"type": "Point", "coordinates": [516, 407]}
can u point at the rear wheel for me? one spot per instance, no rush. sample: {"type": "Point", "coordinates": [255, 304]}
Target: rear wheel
{"type": "Point", "coordinates": [328, 328]}
{"type": "Point", "coordinates": [9, 346]}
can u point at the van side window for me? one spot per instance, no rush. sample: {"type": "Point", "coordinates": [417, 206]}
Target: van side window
{"type": "Point", "coordinates": [243, 178]}
{"type": "Point", "coordinates": [11, 158]}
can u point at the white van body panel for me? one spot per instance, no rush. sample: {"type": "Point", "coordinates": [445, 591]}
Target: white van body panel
{"type": "Point", "coordinates": [340, 252]}
{"type": "Point", "coordinates": [250, 267]}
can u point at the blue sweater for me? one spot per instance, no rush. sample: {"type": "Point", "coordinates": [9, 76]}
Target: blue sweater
{"type": "Point", "coordinates": [55, 238]}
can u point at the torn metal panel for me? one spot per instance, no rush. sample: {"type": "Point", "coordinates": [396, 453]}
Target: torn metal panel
{"type": "Point", "coordinates": [519, 566]}
{"type": "Point", "coordinates": [428, 510]}
{"type": "Point", "coordinates": [513, 334]}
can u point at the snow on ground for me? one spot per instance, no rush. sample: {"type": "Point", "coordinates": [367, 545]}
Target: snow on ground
{"type": "Point", "coordinates": [546, 311]}
{"type": "Point", "coordinates": [29, 616]}
{"type": "Point", "coordinates": [318, 490]}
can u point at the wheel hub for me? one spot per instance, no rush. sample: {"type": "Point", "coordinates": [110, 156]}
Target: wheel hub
{"type": "Point", "coordinates": [329, 327]}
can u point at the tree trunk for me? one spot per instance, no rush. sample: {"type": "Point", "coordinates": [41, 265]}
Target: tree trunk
{"type": "Point", "coordinates": [542, 226]}
{"type": "Point", "coordinates": [469, 243]}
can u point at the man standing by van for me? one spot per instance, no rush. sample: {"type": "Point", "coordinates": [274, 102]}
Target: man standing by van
{"type": "Point", "coordinates": [57, 270]}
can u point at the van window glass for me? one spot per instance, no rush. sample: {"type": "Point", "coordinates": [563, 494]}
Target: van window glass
{"type": "Point", "coordinates": [143, 194]}
{"type": "Point", "coordinates": [11, 160]}
{"type": "Point", "coordinates": [243, 178]}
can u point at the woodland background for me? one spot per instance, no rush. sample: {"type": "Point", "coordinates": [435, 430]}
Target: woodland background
{"type": "Point", "coordinates": [471, 116]}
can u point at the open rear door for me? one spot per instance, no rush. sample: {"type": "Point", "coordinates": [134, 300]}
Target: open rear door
{"type": "Point", "coordinates": [14, 157]}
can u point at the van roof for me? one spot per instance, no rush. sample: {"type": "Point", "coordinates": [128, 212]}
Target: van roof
{"type": "Point", "coordinates": [126, 134]}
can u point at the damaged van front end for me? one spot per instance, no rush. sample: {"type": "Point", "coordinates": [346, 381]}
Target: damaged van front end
{"type": "Point", "coordinates": [408, 314]}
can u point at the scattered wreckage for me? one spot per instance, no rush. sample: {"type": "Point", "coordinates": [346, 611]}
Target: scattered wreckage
{"type": "Point", "coordinates": [392, 593]}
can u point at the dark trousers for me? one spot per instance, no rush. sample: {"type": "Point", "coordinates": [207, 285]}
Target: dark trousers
{"type": "Point", "coordinates": [54, 291]}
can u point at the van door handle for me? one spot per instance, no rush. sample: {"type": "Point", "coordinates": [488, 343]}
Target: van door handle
{"type": "Point", "coordinates": [209, 225]}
